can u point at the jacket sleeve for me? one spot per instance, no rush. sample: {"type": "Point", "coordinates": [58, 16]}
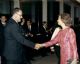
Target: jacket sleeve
{"type": "Point", "coordinates": [19, 37]}
{"type": "Point", "coordinates": [73, 44]}
{"type": "Point", "coordinates": [53, 41]}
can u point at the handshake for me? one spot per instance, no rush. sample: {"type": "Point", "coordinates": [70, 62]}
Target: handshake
{"type": "Point", "coordinates": [38, 46]}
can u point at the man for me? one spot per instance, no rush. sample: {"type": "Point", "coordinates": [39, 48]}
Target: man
{"type": "Point", "coordinates": [3, 20]}
{"type": "Point", "coordinates": [14, 40]}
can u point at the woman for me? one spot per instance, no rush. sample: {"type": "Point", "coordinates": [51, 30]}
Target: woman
{"type": "Point", "coordinates": [66, 38]}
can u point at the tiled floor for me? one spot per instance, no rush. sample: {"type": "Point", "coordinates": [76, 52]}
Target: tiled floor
{"type": "Point", "coordinates": [0, 59]}
{"type": "Point", "coordinates": [50, 59]}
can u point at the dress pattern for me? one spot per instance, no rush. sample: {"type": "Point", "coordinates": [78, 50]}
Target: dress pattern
{"type": "Point", "coordinates": [66, 38]}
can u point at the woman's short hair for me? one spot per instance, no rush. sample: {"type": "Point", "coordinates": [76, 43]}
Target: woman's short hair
{"type": "Point", "coordinates": [66, 19]}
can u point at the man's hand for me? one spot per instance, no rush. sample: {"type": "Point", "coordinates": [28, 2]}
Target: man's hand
{"type": "Point", "coordinates": [37, 46]}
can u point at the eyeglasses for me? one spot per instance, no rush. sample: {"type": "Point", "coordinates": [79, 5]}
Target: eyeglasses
{"type": "Point", "coordinates": [19, 14]}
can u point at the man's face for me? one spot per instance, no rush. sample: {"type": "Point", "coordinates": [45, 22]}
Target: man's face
{"type": "Point", "coordinates": [3, 18]}
{"type": "Point", "coordinates": [28, 23]}
{"type": "Point", "coordinates": [19, 16]}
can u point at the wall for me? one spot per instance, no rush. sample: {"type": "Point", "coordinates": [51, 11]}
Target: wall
{"type": "Point", "coordinates": [4, 7]}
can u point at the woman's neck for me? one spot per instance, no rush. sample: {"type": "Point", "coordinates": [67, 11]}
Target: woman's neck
{"type": "Point", "coordinates": [64, 27]}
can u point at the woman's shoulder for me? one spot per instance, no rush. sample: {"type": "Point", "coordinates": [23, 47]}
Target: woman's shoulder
{"type": "Point", "coordinates": [70, 31]}
{"type": "Point", "coordinates": [58, 28]}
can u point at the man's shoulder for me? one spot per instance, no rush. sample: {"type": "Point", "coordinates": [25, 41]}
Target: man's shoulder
{"type": "Point", "coordinates": [11, 22]}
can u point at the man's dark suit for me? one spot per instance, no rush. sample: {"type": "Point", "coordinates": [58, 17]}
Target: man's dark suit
{"type": "Point", "coordinates": [1, 38]}
{"type": "Point", "coordinates": [14, 41]}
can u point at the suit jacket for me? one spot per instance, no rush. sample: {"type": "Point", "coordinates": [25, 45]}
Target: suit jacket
{"type": "Point", "coordinates": [1, 38]}
{"type": "Point", "coordinates": [14, 41]}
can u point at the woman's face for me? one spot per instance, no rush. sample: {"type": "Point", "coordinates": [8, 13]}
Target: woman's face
{"type": "Point", "coordinates": [59, 20]}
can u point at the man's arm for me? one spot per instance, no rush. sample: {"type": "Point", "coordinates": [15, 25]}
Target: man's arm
{"type": "Point", "coordinates": [20, 38]}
